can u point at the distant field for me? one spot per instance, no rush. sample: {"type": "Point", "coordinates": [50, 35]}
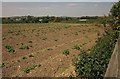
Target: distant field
{"type": "Point", "coordinates": [45, 49]}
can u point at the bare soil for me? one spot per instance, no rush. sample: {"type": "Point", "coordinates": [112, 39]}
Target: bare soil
{"type": "Point", "coordinates": [48, 43]}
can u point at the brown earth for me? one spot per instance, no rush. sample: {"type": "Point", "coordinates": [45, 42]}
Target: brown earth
{"type": "Point", "coordinates": [48, 43]}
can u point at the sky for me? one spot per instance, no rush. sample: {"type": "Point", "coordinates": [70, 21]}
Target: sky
{"type": "Point", "coordinates": [59, 0]}
{"type": "Point", "coordinates": [74, 9]}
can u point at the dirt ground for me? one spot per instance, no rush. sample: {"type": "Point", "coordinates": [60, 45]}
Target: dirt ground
{"type": "Point", "coordinates": [46, 44]}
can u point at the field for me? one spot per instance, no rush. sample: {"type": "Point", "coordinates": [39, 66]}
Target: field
{"type": "Point", "coordinates": [45, 49]}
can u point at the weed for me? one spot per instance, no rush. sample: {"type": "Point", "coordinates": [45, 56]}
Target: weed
{"type": "Point", "coordinates": [31, 55]}
{"type": "Point", "coordinates": [44, 38]}
{"type": "Point", "coordinates": [24, 47]}
{"type": "Point", "coordinates": [67, 27]}
{"type": "Point", "coordinates": [65, 34]}
{"type": "Point", "coordinates": [29, 68]}
{"type": "Point", "coordinates": [3, 38]}
{"type": "Point", "coordinates": [56, 39]}
{"type": "Point", "coordinates": [24, 57]}
{"type": "Point", "coordinates": [76, 47]}
{"type": "Point", "coordinates": [39, 65]}
{"type": "Point", "coordinates": [24, 35]}
{"type": "Point", "coordinates": [10, 49]}
{"type": "Point", "coordinates": [2, 65]}
{"type": "Point", "coordinates": [98, 34]}
{"type": "Point", "coordinates": [66, 52]}
{"type": "Point", "coordinates": [17, 33]}
{"type": "Point", "coordinates": [76, 33]}
{"type": "Point", "coordinates": [49, 49]}
{"type": "Point", "coordinates": [29, 41]}
{"type": "Point", "coordinates": [18, 60]}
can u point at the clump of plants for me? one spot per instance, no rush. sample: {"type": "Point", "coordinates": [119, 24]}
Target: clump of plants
{"type": "Point", "coordinates": [18, 33]}
{"type": "Point", "coordinates": [24, 57]}
{"type": "Point", "coordinates": [66, 27]}
{"type": "Point", "coordinates": [31, 55]}
{"type": "Point", "coordinates": [30, 41]}
{"type": "Point", "coordinates": [24, 47]}
{"type": "Point", "coordinates": [93, 64]}
{"type": "Point", "coordinates": [49, 49]}
{"type": "Point", "coordinates": [2, 65]}
{"type": "Point", "coordinates": [10, 49]}
{"type": "Point", "coordinates": [76, 33]}
{"type": "Point", "coordinates": [77, 47]}
{"type": "Point", "coordinates": [66, 52]}
{"type": "Point", "coordinates": [29, 68]}
{"type": "Point", "coordinates": [44, 38]}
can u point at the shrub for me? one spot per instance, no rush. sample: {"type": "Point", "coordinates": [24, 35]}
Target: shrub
{"type": "Point", "coordinates": [66, 52]}
{"type": "Point", "coordinates": [94, 63]}
{"type": "Point", "coordinates": [10, 49]}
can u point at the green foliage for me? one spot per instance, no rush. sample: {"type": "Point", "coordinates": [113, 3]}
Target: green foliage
{"type": "Point", "coordinates": [24, 47]}
{"type": "Point", "coordinates": [44, 38]}
{"type": "Point", "coordinates": [24, 57]}
{"type": "Point", "coordinates": [76, 33]}
{"type": "Point", "coordinates": [10, 49]}
{"type": "Point", "coordinates": [31, 55]}
{"type": "Point", "coordinates": [29, 41]}
{"type": "Point", "coordinates": [66, 27]}
{"type": "Point", "coordinates": [29, 68]}
{"type": "Point", "coordinates": [66, 52]}
{"type": "Point", "coordinates": [49, 49]}
{"type": "Point", "coordinates": [76, 47]}
{"type": "Point", "coordinates": [2, 65]}
{"type": "Point", "coordinates": [115, 16]}
{"type": "Point", "coordinates": [94, 63]}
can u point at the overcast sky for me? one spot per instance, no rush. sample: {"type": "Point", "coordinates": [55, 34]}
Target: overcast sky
{"type": "Point", "coordinates": [59, 0]}
{"type": "Point", "coordinates": [56, 8]}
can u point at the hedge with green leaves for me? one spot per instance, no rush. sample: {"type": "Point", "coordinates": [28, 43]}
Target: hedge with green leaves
{"type": "Point", "coordinates": [94, 64]}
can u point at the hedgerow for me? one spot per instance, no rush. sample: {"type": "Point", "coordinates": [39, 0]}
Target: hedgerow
{"type": "Point", "coordinates": [94, 64]}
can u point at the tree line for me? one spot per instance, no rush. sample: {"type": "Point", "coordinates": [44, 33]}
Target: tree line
{"type": "Point", "coordinates": [45, 19]}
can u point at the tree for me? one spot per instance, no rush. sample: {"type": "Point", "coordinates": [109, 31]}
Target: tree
{"type": "Point", "coordinates": [115, 14]}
